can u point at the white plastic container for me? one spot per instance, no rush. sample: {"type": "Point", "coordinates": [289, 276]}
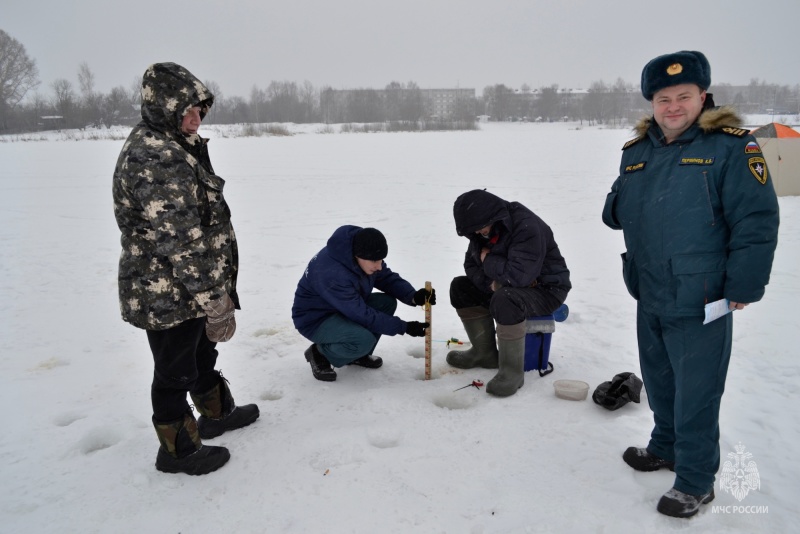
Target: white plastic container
{"type": "Point", "coordinates": [571, 389]}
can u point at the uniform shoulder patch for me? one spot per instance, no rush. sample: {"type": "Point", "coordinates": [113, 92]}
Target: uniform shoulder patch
{"type": "Point", "coordinates": [736, 132]}
{"type": "Point", "coordinates": [759, 169]}
{"type": "Point", "coordinates": [752, 148]}
{"type": "Point", "coordinates": [632, 142]}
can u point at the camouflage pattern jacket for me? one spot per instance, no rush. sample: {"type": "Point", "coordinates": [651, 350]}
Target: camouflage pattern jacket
{"type": "Point", "coordinates": [178, 245]}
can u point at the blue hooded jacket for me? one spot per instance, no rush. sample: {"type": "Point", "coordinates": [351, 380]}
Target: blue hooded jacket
{"type": "Point", "coordinates": [334, 283]}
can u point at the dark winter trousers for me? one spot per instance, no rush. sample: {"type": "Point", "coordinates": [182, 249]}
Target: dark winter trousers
{"type": "Point", "coordinates": [341, 340]}
{"type": "Point", "coordinates": [507, 305]}
{"type": "Point", "coordinates": [184, 362]}
{"type": "Point", "coordinates": [684, 364]}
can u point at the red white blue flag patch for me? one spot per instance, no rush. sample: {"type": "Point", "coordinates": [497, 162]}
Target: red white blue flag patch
{"type": "Point", "coordinates": [752, 148]}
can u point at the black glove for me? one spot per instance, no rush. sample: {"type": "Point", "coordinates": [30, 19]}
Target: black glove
{"type": "Point", "coordinates": [422, 294]}
{"type": "Point", "coordinates": [416, 329]}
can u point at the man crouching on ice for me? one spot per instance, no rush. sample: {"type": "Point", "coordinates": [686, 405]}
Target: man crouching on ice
{"type": "Point", "coordinates": [335, 308]}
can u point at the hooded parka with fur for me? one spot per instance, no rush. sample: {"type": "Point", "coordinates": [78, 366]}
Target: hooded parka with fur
{"type": "Point", "coordinates": [178, 245]}
{"type": "Point", "coordinates": [700, 216]}
{"type": "Point", "coordinates": [700, 221]}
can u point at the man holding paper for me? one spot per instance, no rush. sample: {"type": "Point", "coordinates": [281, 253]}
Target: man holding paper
{"type": "Point", "coordinates": [700, 221]}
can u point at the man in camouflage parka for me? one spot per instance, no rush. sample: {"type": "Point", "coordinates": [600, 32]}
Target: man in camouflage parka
{"type": "Point", "coordinates": [178, 267]}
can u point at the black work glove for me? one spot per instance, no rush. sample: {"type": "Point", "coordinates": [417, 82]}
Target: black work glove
{"type": "Point", "coordinates": [416, 328]}
{"type": "Point", "coordinates": [422, 294]}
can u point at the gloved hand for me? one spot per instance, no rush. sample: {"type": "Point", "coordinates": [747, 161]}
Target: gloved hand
{"type": "Point", "coordinates": [220, 320]}
{"type": "Point", "coordinates": [422, 294]}
{"type": "Point", "coordinates": [416, 328]}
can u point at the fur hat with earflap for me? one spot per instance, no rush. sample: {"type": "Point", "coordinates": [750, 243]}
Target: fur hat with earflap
{"type": "Point", "coordinates": [675, 69]}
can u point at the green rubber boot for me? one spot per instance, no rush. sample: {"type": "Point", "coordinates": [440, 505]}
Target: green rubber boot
{"type": "Point", "coordinates": [480, 330]}
{"type": "Point", "coordinates": [511, 343]}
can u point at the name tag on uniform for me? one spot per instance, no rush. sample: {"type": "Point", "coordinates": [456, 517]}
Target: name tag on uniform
{"type": "Point", "coordinates": [635, 167]}
{"type": "Point", "coordinates": [697, 161]}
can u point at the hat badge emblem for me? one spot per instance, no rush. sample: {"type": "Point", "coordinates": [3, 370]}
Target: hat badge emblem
{"type": "Point", "coordinates": [675, 68]}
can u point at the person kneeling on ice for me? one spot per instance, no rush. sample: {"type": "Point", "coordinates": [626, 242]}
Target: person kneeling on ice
{"type": "Point", "coordinates": [177, 270]}
{"type": "Point", "coordinates": [514, 270]}
{"type": "Point", "coordinates": [335, 308]}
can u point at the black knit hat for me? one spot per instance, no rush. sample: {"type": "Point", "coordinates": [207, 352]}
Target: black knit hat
{"type": "Point", "coordinates": [369, 244]}
{"type": "Point", "coordinates": [675, 69]}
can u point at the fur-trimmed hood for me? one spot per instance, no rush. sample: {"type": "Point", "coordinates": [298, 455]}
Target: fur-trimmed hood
{"type": "Point", "coordinates": [709, 120]}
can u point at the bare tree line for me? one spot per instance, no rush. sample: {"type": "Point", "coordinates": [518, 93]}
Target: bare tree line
{"type": "Point", "coordinates": [23, 108]}
{"type": "Point", "coordinates": [621, 102]}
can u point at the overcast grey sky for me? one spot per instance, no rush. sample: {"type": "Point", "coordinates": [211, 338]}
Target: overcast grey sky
{"type": "Point", "coordinates": [436, 43]}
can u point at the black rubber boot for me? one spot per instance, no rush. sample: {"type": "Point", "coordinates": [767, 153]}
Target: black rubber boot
{"type": "Point", "coordinates": [511, 377]}
{"type": "Point", "coordinates": [219, 412]}
{"type": "Point", "coordinates": [479, 326]}
{"type": "Point", "coordinates": [182, 451]}
{"type": "Point", "coordinates": [641, 460]}
{"type": "Point", "coordinates": [320, 366]}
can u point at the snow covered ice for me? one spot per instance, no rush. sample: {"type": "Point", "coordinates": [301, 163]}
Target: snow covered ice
{"type": "Point", "coordinates": [377, 450]}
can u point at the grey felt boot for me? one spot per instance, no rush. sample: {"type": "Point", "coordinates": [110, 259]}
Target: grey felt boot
{"type": "Point", "coordinates": [511, 342]}
{"type": "Point", "coordinates": [479, 326]}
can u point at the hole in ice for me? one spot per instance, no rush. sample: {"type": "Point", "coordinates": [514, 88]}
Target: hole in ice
{"type": "Point", "coordinates": [271, 395]}
{"type": "Point", "coordinates": [456, 400]}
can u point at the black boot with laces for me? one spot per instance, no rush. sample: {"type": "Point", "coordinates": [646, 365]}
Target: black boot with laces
{"type": "Point", "coordinates": [641, 460]}
{"type": "Point", "coordinates": [369, 361]}
{"type": "Point", "coordinates": [320, 366]}
{"type": "Point", "coordinates": [676, 503]}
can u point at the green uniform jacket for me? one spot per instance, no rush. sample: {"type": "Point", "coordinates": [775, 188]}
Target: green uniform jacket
{"type": "Point", "coordinates": [699, 216]}
{"type": "Point", "coordinates": [178, 245]}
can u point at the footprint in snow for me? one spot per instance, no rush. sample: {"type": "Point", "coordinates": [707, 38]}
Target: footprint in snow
{"type": "Point", "coordinates": [99, 439]}
{"type": "Point", "coordinates": [384, 438]}
{"type": "Point", "coordinates": [67, 418]}
{"type": "Point", "coordinates": [50, 364]}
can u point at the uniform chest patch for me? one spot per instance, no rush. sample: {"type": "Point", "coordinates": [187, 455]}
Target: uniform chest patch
{"type": "Point", "coordinates": [697, 161]}
{"type": "Point", "coordinates": [759, 169]}
{"type": "Point", "coordinates": [752, 148]}
{"type": "Point", "coordinates": [635, 167]}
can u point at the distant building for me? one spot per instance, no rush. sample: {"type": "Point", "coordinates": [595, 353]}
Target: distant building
{"type": "Point", "coordinates": [446, 103]}
{"type": "Point", "coordinates": [375, 105]}
{"type": "Point", "coordinates": [51, 122]}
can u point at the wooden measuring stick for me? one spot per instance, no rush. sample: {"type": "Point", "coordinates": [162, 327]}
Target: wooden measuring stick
{"type": "Point", "coordinates": [428, 334]}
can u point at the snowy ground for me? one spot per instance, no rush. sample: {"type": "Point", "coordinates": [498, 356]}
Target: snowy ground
{"type": "Point", "coordinates": [375, 451]}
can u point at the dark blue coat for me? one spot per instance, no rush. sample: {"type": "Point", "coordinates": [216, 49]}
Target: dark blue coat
{"type": "Point", "coordinates": [525, 251]}
{"type": "Point", "coordinates": [699, 216]}
{"type": "Point", "coordinates": [334, 283]}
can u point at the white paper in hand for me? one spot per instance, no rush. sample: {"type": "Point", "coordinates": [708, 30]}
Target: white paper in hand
{"type": "Point", "coordinates": [715, 310]}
